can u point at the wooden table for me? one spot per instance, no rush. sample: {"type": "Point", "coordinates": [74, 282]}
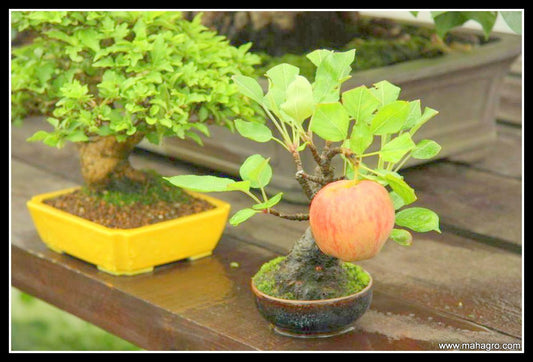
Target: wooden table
{"type": "Point", "coordinates": [461, 286]}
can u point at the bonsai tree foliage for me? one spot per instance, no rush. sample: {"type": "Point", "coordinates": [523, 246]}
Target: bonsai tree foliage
{"type": "Point", "coordinates": [107, 80]}
{"type": "Point", "coordinates": [353, 211]}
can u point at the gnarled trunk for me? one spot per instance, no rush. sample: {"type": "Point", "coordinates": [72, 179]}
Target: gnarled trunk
{"type": "Point", "coordinates": [309, 274]}
{"type": "Point", "coordinates": [105, 158]}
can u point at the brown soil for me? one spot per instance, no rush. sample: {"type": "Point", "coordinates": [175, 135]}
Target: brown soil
{"type": "Point", "coordinates": [129, 215]}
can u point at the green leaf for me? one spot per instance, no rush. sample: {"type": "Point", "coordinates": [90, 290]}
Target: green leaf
{"type": "Point", "coordinates": [241, 216]}
{"type": "Point", "coordinates": [426, 116]}
{"type": "Point", "coordinates": [201, 183]}
{"type": "Point", "coordinates": [397, 201]}
{"type": "Point", "coordinates": [239, 186]}
{"type": "Point", "coordinates": [401, 187]}
{"type": "Point", "coordinates": [360, 103]}
{"type": "Point", "coordinates": [38, 136]}
{"type": "Point", "coordinates": [256, 170]}
{"type": "Point", "coordinates": [385, 92]}
{"type": "Point", "coordinates": [316, 56]}
{"type": "Point", "coordinates": [402, 237]}
{"type": "Point", "coordinates": [77, 136]}
{"type": "Point", "coordinates": [486, 19]}
{"type": "Point", "coordinates": [274, 200]}
{"type": "Point", "coordinates": [280, 76]}
{"type": "Point", "coordinates": [396, 148]}
{"type": "Point", "coordinates": [333, 69]}
{"type": "Point", "coordinates": [253, 130]}
{"type": "Point", "coordinates": [89, 38]}
{"type": "Point", "coordinates": [418, 219]}
{"type": "Point", "coordinates": [330, 122]}
{"type": "Point", "coordinates": [513, 19]}
{"type": "Point", "coordinates": [361, 138]}
{"type": "Point", "coordinates": [249, 87]}
{"type": "Point", "coordinates": [390, 118]}
{"type": "Point", "coordinates": [414, 115]}
{"type": "Point", "coordinates": [447, 20]}
{"type": "Point", "coordinates": [300, 103]}
{"type": "Point", "coordinates": [426, 149]}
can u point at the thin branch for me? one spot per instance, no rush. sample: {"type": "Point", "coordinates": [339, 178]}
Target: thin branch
{"type": "Point", "coordinates": [298, 217]}
{"type": "Point", "coordinates": [299, 172]}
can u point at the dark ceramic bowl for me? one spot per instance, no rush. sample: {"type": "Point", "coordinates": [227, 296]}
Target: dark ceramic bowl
{"type": "Point", "coordinates": [313, 318]}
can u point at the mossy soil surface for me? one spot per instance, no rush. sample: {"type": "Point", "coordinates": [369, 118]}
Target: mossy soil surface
{"type": "Point", "coordinates": [353, 280]}
{"type": "Point", "coordinates": [126, 204]}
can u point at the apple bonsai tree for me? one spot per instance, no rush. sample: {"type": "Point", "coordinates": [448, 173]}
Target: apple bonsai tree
{"type": "Point", "coordinates": [353, 211]}
{"type": "Point", "coordinates": [108, 79]}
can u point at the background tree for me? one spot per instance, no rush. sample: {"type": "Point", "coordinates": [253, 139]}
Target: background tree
{"type": "Point", "coordinates": [107, 80]}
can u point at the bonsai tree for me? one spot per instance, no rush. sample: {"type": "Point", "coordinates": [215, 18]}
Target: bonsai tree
{"type": "Point", "coordinates": [107, 80]}
{"type": "Point", "coordinates": [353, 211]}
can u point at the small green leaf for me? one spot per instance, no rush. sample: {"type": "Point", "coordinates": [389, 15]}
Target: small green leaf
{"type": "Point", "coordinates": [253, 130]}
{"type": "Point", "coordinates": [360, 103]}
{"type": "Point", "coordinates": [402, 237]}
{"type": "Point", "coordinates": [513, 19]}
{"type": "Point", "coordinates": [395, 149]}
{"type": "Point", "coordinates": [201, 183]}
{"type": "Point", "coordinates": [274, 200]}
{"type": "Point", "coordinates": [418, 219]}
{"type": "Point", "coordinates": [401, 187]}
{"type": "Point", "coordinates": [397, 201]}
{"type": "Point", "coordinates": [77, 136]}
{"type": "Point", "coordinates": [241, 216]}
{"type": "Point", "coordinates": [249, 87]}
{"type": "Point", "coordinates": [280, 76]}
{"type": "Point", "coordinates": [414, 115]}
{"type": "Point", "coordinates": [426, 116]}
{"type": "Point", "coordinates": [239, 186]}
{"type": "Point", "coordinates": [330, 121]}
{"type": "Point", "coordinates": [299, 104]}
{"type": "Point", "coordinates": [390, 118]}
{"type": "Point", "coordinates": [332, 70]}
{"type": "Point", "coordinates": [361, 138]}
{"type": "Point", "coordinates": [256, 170]}
{"type": "Point", "coordinates": [426, 149]}
{"type": "Point", "coordinates": [38, 136]}
{"type": "Point", "coordinates": [385, 92]}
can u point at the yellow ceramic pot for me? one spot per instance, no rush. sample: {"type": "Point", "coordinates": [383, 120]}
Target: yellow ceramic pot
{"type": "Point", "coordinates": [129, 251]}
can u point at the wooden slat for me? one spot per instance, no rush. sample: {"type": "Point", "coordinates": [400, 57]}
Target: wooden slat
{"type": "Point", "coordinates": [504, 157]}
{"type": "Point", "coordinates": [471, 201]}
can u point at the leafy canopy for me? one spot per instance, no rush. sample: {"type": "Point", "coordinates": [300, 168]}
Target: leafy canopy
{"type": "Point", "coordinates": [363, 122]}
{"type": "Point", "coordinates": [101, 73]}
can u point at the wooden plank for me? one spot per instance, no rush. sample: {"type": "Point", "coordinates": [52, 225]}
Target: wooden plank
{"type": "Point", "coordinates": [474, 202]}
{"type": "Point", "coordinates": [504, 157]}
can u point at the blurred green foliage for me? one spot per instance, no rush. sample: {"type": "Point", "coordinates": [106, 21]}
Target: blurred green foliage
{"type": "Point", "coordinates": [39, 326]}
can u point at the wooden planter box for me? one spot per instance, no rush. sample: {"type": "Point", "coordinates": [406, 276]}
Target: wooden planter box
{"type": "Point", "coordinates": [463, 87]}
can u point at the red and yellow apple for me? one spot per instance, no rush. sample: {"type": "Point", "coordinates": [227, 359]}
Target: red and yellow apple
{"type": "Point", "coordinates": [351, 220]}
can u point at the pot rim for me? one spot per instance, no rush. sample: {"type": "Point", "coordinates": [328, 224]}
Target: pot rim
{"type": "Point", "coordinates": [37, 202]}
{"type": "Point", "coordinates": [257, 292]}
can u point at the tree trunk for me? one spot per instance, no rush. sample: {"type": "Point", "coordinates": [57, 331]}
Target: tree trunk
{"type": "Point", "coordinates": [309, 274]}
{"type": "Point", "coordinates": [104, 159]}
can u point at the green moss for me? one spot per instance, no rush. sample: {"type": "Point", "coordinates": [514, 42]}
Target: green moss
{"type": "Point", "coordinates": [264, 279]}
{"type": "Point", "coordinates": [125, 191]}
{"type": "Point", "coordinates": [358, 279]}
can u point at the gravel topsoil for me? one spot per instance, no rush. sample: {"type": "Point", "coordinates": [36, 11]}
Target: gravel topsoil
{"type": "Point", "coordinates": [126, 215]}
